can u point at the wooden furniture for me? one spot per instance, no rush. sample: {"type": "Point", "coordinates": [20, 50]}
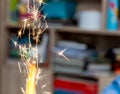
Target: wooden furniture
{"type": "Point", "coordinates": [95, 38]}
{"type": "Point", "coordinates": [11, 80]}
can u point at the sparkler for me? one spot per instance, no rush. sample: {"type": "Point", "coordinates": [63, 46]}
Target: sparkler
{"type": "Point", "coordinates": [30, 60]}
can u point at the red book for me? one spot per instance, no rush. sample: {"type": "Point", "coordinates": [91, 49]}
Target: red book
{"type": "Point", "coordinates": [86, 87]}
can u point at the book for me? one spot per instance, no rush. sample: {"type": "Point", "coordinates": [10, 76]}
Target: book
{"type": "Point", "coordinates": [65, 85]}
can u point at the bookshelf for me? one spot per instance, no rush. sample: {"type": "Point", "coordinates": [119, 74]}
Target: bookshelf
{"type": "Point", "coordinates": [61, 33]}
{"type": "Point", "coordinates": [103, 37]}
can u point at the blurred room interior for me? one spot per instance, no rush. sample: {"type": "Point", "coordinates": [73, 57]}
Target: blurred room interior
{"type": "Point", "coordinates": [88, 33]}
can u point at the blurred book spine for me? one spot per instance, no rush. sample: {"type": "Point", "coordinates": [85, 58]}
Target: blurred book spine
{"type": "Point", "coordinates": [112, 15]}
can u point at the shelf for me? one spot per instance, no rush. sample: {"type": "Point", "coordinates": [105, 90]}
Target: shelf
{"type": "Point", "coordinates": [74, 30]}
{"type": "Point", "coordinates": [86, 75]}
{"type": "Point", "coordinates": [13, 25]}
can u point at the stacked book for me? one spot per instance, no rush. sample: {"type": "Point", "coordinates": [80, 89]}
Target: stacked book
{"type": "Point", "coordinates": [76, 53]}
{"type": "Point", "coordinates": [103, 69]}
{"type": "Point", "coordinates": [72, 66]}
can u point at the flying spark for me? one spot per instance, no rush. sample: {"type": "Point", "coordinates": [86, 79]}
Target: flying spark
{"type": "Point", "coordinates": [20, 33]}
{"type": "Point", "coordinates": [23, 91]}
{"type": "Point", "coordinates": [44, 86]}
{"type": "Point", "coordinates": [25, 22]}
{"type": "Point", "coordinates": [15, 43]}
{"type": "Point", "coordinates": [61, 53]}
{"type": "Point", "coordinates": [19, 67]}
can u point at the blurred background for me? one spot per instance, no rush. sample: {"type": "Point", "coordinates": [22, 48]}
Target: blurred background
{"type": "Point", "coordinates": [89, 29]}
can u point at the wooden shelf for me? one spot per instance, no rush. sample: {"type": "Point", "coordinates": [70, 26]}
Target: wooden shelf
{"type": "Point", "coordinates": [74, 29]}
{"type": "Point", "coordinates": [86, 75]}
{"type": "Point", "coordinates": [13, 25]}
{"type": "Point", "coordinates": [14, 63]}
